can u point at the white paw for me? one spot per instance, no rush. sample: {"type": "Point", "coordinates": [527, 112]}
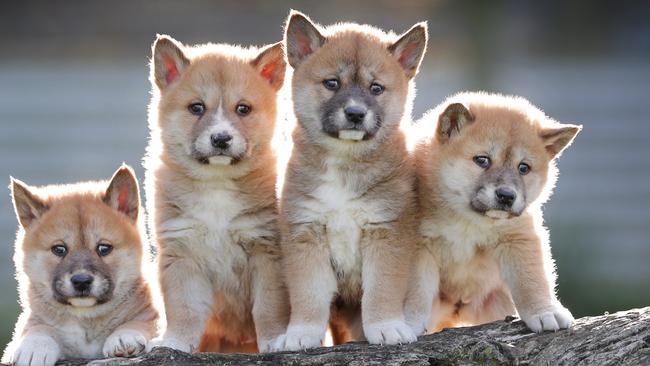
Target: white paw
{"type": "Point", "coordinates": [124, 343]}
{"type": "Point", "coordinates": [272, 345]}
{"type": "Point", "coordinates": [36, 350]}
{"type": "Point", "coordinates": [418, 326]}
{"type": "Point", "coordinates": [553, 318]}
{"type": "Point", "coordinates": [170, 342]}
{"type": "Point", "coordinates": [301, 337]}
{"type": "Point", "coordinates": [389, 332]}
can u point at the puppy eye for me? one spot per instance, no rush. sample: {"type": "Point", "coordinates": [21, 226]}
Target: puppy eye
{"type": "Point", "coordinates": [59, 250]}
{"type": "Point", "coordinates": [197, 109]}
{"type": "Point", "coordinates": [242, 109]}
{"type": "Point", "coordinates": [524, 168]}
{"type": "Point", "coordinates": [376, 89]}
{"type": "Point", "coordinates": [332, 84]}
{"type": "Point", "coordinates": [482, 161]}
{"type": "Point", "coordinates": [104, 249]}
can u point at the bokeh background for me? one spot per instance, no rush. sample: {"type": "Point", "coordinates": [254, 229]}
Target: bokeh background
{"type": "Point", "coordinates": [74, 91]}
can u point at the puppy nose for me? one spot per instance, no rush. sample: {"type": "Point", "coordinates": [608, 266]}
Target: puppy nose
{"type": "Point", "coordinates": [505, 196]}
{"type": "Point", "coordinates": [220, 140]}
{"type": "Point", "coordinates": [355, 114]}
{"type": "Point", "coordinates": [81, 281]}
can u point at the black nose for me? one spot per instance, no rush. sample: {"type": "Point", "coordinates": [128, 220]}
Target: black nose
{"type": "Point", "coordinates": [220, 140]}
{"type": "Point", "coordinates": [81, 281]}
{"type": "Point", "coordinates": [355, 114]}
{"type": "Point", "coordinates": [505, 196]}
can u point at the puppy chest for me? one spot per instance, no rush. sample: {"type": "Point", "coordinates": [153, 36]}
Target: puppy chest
{"type": "Point", "coordinates": [77, 342]}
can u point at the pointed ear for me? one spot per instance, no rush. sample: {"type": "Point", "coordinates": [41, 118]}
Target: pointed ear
{"type": "Point", "coordinates": [410, 47]}
{"type": "Point", "coordinates": [556, 139]}
{"type": "Point", "coordinates": [28, 206]}
{"type": "Point", "coordinates": [271, 65]}
{"type": "Point", "coordinates": [122, 193]}
{"type": "Point", "coordinates": [301, 38]}
{"type": "Point", "coordinates": [168, 60]}
{"type": "Point", "coordinates": [455, 117]}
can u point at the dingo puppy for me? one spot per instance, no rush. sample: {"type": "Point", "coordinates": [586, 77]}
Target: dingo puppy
{"type": "Point", "coordinates": [80, 255]}
{"type": "Point", "coordinates": [211, 194]}
{"type": "Point", "coordinates": [348, 198]}
{"type": "Point", "coordinates": [484, 171]}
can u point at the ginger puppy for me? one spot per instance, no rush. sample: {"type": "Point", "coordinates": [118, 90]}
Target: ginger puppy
{"type": "Point", "coordinates": [483, 175]}
{"type": "Point", "coordinates": [211, 189]}
{"type": "Point", "coordinates": [80, 256]}
{"type": "Point", "coordinates": [348, 198]}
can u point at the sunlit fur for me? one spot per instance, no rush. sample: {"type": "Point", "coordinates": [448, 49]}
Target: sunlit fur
{"type": "Point", "coordinates": [78, 216]}
{"type": "Point", "coordinates": [345, 202]}
{"type": "Point", "coordinates": [215, 225]}
{"type": "Point", "coordinates": [474, 266]}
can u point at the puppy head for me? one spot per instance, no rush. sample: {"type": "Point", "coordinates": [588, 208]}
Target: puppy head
{"type": "Point", "coordinates": [81, 247]}
{"type": "Point", "coordinates": [496, 153]}
{"type": "Point", "coordinates": [351, 82]}
{"type": "Point", "coordinates": [214, 104]}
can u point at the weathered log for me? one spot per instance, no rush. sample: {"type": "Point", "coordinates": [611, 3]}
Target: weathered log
{"type": "Point", "coordinates": [622, 338]}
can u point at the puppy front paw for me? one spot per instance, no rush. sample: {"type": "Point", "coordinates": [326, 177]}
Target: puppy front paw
{"type": "Point", "coordinates": [389, 332]}
{"type": "Point", "coordinates": [553, 318]}
{"type": "Point", "coordinates": [272, 345]}
{"type": "Point", "coordinates": [36, 350]}
{"type": "Point", "coordinates": [170, 342]}
{"type": "Point", "coordinates": [124, 343]}
{"type": "Point", "coordinates": [301, 337]}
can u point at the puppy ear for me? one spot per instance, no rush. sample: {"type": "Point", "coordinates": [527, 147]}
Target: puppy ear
{"type": "Point", "coordinates": [410, 47]}
{"type": "Point", "coordinates": [271, 65]}
{"type": "Point", "coordinates": [27, 205]}
{"type": "Point", "coordinates": [558, 138]}
{"type": "Point", "coordinates": [455, 117]}
{"type": "Point", "coordinates": [301, 38]}
{"type": "Point", "coordinates": [168, 60]}
{"type": "Point", "coordinates": [123, 194]}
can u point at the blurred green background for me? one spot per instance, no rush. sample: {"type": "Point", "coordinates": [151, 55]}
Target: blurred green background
{"type": "Point", "coordinates": [74, 91]}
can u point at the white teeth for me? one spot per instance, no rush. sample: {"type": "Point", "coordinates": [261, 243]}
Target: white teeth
{"type": "Point", "coordinates": [351, 135]}
{"type": "Point", "coordinates": [497, 214]}
{"type": "Point", "coordinates": [82, 302]}
{"type": "Point", "coordinates": [220, 160]}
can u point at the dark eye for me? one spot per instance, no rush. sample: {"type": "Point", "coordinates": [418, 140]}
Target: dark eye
{"type": "Point", "coordinates": [482, 161]}
{"type": "Point", "coordinates": [524, 168]}
{"type": "Point", "coordinates": [59, 250]}
{"type": "Point", "coordinates": [376, 89]}
{"type": "Point", "coordinates": [104, 249]}
{"type": "Point", "coordinates": [197, 109]}
{"type": "Point", "coordinates": [332, 84]}
{"type": "Point", "coordinates": [242, 109]}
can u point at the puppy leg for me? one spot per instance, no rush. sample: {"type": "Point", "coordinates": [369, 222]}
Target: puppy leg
{"type": "Point", "coordinates": [37, 347]}
{"type": "Point", "coordinates": [533, 289]}
{"type": "Point", "coordinates": [128, 340]}
{"type": "Point", "coordinates": [311, 283]}
{"type": "Point", "coordinates": [423, 287]}
{"type": "Point", "coordinates": [270, 302]}
{"type": "Point", "coordinates": [386, 261]}
{"type": "Point", "coordinates": [188, 297]}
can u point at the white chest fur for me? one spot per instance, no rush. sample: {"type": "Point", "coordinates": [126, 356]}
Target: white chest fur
{"type": "Point", "coordinates": [75, 341]}
{"type": "Point", "coordinates": [464, 253]}
{"type": "Point", "coordinates": [211, 229]}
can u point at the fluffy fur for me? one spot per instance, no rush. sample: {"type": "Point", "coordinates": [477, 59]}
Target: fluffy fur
{"type": "Point", "coordinates": [347, 203]}
{"type": "Point", "coordinates": [485, 166]}
{"type": "Point", "coordinates": [65, 315]}
{"type": "Point", "coordinates": [212, 204]}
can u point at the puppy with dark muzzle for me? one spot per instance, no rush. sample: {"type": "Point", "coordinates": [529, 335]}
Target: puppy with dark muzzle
{"type": "Point", "coordinates": [348, 199]}
{"type": "Point", "coordinates": [485, 166]}
{"type": "Point", "coordinates": [80, 260]}
{"type": "Point", "coordinates": [211, 176]}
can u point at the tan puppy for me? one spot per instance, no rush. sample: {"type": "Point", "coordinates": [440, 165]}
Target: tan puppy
{"type": "Point", "coordinates": [484, 170]}
{"type": "Point", "coordinates": [348, 199]}
{"type": "Point", "coordinates": [211, 190]}
{"type": "Point", "coordinates": [80, 258]}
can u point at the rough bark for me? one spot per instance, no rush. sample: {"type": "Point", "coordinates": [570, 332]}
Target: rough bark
{"type": "Point", "coordinates": [622, 338]}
